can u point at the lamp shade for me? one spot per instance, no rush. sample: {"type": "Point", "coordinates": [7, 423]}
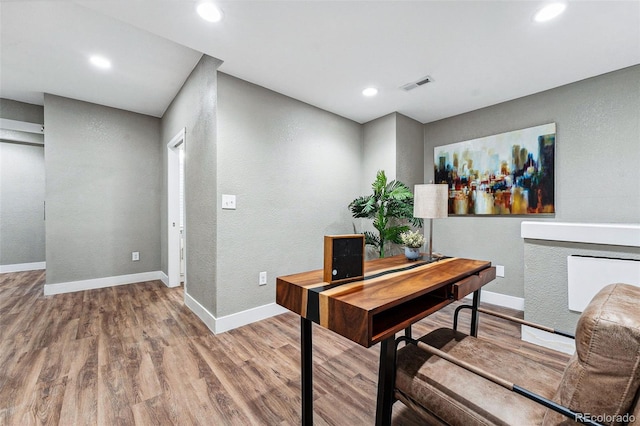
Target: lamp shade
{"type": "Point", "coordinates": [430, 201]}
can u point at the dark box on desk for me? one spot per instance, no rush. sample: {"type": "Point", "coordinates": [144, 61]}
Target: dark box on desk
{"type": "Point", "coordinates": [343, 258]}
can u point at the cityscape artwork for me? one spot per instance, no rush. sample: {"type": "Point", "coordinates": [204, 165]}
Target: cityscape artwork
{"type": "Point", "coordinates": [507, 174]}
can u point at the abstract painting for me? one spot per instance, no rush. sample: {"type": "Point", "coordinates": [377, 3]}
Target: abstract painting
{"type": "Point", "coordinates": [507, 174]}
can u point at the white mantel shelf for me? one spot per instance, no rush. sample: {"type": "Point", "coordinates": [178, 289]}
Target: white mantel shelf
{"type": "Point", "coordinates": [616, 234]}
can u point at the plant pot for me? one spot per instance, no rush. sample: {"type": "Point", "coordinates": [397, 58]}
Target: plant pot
{"type": "Point", "coordinates": [412, 253]}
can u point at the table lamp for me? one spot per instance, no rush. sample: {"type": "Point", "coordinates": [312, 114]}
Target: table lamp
{"type": "Point", "coordinates": [430, 201]}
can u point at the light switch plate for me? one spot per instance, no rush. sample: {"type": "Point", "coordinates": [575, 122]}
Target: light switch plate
{"type": "Point", "coordinates": [499, 271]}
{"type": "Point", "coordinates": [228, 202]}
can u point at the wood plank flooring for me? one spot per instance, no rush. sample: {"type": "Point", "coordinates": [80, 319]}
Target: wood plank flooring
{"type": "Point", "coordinates": [136, 355]}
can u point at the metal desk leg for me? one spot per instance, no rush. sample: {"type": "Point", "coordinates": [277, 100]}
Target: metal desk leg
{"type": "Point", "coordinates": [474, 313]}
{"type": "Point", "coordinates": [306, 350]}
{"type": "Point", "coordinates": [407, 332]}
{"type": "Point", "coordinates": [386, 381]}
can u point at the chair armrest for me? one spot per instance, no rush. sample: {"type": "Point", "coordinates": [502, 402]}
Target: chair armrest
{"type": "Point", "coordinates": [512, 319]}
{"type": "Point", "coordinates": [527, 323]}
{"type": "Point", "coordinates": [573, 415]}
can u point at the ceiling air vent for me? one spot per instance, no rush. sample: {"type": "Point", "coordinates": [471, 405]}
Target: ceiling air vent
{"type": "Point", "coordinates": [420, 82]}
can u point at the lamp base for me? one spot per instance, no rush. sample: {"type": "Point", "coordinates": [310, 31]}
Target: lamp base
{"type": "Point", "coordinates": [435, 257]}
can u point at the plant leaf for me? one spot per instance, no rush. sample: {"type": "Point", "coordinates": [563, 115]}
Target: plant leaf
{"type": "Point", "coordinates": [393, 233]}
{"type": "Point", "coordinates": [380, 183]}
{"type": "Point", "coordinates": [363, 207]}
{"type": "Point", "coordinates": [391, 208]}
{"type": "Point", "coordinates": [371, 239]}
{"type": "Point", "coordinates": [397, 190]}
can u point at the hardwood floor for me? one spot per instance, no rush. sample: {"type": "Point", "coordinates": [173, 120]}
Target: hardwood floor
{"type": "Point", "coordinates": [135, 354]}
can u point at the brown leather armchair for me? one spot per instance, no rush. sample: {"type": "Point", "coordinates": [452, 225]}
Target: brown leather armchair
{"type": "Point", "coordinates": [481, 383]}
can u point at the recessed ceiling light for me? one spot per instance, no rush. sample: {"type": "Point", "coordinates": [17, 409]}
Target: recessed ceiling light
{"type": "Point", "coordinates": [549, 12]}
{"type": "Point", "coordinates": [209, 12]}
{"type": "Point", "coordinates": [100, 62]}
{"type": "Point", "coordinates": [370, 91]}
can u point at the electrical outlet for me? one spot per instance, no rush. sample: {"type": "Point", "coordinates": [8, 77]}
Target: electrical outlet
{"type": "Point", "coordinates": [135, 256]}
{"type": "Point", "coordinates": [499, 271]}
{"type": "Point", "coordinates": [262, 280]}
{"type": "Point", "coordinates": [228, 202]}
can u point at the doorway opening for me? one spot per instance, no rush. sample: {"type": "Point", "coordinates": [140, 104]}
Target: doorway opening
{"type": "Point", "coordinates": [176, 269]}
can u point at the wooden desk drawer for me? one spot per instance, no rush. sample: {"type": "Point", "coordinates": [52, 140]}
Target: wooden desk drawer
{"type": "Point", "coordinates": [470, 284]}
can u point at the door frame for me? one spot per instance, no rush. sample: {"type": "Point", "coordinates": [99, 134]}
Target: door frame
{"type": "Point", "coordinates": [173, 210]}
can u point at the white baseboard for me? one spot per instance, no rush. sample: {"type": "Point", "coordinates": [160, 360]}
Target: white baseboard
{"type": "Point", "coordinates": [164, 278]}
{"type": "Point", "coordinates": [548, 340]}
{"type": "Point", "coordinates": [21, 267]}
{"type": "Point", "coordinates": [239, 319]}
{"type": "Point", "coordinates": [499, 299]}
{"type": "Point", "coordinates": [201, 312]}
{"type": "Point", "coordinates": [82, 285]}
{"type": "Point", "coordinates": [229, 322]}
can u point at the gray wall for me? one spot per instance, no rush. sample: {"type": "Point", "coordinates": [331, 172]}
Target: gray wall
{"type": "Point", "coordinates": [379, 150]}
{"type": "Point", "coordinates": [294, 169]}
{"type": "Point", "coordinates": [409, 151]}
{"type": "Point", "coordinates": [21, 203]}
{"type": "Point", "coordinates": [103, 175]}
{"type": "Point", "coordinates": [22, 231]}
{"type": "Point", "coordinates": [597, 173]}
{"type": "Point", "coordinates": [20, 111]}
{"type": "Point", "coordinates": [194, 108]}
{"type": "Point", "coordinates": [393, 143]}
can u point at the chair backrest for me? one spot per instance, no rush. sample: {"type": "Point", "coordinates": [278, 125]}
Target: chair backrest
{"type": "Point", "coordinates": [603, 376]}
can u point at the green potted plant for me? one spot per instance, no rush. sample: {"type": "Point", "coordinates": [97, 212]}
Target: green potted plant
{"type": "Point", "coordinates": [391, 208]}
{"type": "Point", "coordinates": [412, 241]}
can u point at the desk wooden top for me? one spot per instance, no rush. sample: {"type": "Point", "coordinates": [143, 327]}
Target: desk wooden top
{"type": "Point", "coordinates": [394, 293]}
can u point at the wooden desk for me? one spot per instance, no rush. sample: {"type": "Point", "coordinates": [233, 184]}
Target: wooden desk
{"type": "Point", "coordinates": [394, 294]}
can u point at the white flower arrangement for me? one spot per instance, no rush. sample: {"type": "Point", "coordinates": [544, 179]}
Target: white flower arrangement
{"type": "Point", "coordinates": [412, 239]}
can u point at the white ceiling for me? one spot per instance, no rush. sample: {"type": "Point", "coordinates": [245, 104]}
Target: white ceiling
{"type": "Point", "coordinates": [478, 53]}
